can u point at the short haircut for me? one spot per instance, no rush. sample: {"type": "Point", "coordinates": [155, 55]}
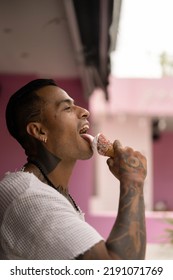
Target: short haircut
{"type": "Point", "coordinates": [25, 106]}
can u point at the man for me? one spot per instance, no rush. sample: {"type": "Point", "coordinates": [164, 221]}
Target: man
{"type": "Point", "coordinates": [39, 219]}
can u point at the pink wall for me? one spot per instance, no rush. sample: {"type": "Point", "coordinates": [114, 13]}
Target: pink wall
{"type": "Point", "coordinates": [163, 169]}
{"type": "Point", "coordinates": [141, 96]}
{"type": "Point", "coordinates": [12, 158]}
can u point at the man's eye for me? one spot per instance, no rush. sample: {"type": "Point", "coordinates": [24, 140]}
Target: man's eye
{"type": "Point", "coordinates": [67, 108]}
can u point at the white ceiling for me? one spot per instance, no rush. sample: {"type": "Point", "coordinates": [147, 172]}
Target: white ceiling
{"type": "Point", "coordinates": [35, 39]}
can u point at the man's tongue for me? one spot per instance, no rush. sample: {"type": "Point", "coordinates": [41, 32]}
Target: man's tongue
{"type": "Point", "coordinates": [93, 141]}
{"type": "Point", "coordinates": [88, 137]}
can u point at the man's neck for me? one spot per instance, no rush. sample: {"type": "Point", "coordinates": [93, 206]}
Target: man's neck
{"type": "Point", "coordinates": [60, 176]}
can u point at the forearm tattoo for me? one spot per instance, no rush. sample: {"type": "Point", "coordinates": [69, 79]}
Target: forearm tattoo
{"type": "Point", "coordinates": [128, 236]}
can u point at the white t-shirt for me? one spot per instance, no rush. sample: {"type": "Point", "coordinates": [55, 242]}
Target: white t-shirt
{"type": "Point", "coordinates": [37, 222]}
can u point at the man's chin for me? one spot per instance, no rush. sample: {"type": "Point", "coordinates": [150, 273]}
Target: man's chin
{"type": "Point", "coordinates": [87, 155]}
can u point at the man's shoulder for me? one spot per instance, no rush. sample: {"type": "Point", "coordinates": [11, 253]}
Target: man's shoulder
{"type": "Point", "coordinates": [12, 179]}
{"type": "Point", "coordinates": [12, 186]}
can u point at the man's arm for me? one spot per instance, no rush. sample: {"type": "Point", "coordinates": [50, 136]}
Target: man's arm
{"type": "Point", "coordinates": [127, 239]}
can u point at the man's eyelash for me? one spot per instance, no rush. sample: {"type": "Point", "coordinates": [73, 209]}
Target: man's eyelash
{"type": "Point", "coordinates": [67, 108]}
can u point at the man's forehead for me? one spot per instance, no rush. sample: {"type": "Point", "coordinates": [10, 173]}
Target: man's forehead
{"type": "Point", "coordinates": [49, 93]}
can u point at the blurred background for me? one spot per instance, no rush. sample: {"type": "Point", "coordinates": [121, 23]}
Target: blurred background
{"type": "Point", "coordinates": [114, 57]}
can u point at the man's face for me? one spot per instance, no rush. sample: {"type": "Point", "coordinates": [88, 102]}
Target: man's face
{"type": "Point", "coordinates": [64, 123]}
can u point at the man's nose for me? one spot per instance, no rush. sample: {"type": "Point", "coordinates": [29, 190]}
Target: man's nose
{"type": "Point", "coordinates": [83, 113]}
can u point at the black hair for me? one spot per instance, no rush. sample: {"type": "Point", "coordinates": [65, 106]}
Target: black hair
{"type": "Point", "coordinates": [25, 106]}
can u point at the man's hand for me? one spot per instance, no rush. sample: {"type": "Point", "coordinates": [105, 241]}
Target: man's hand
{"type": "Point", "coordinates": [127, 163]}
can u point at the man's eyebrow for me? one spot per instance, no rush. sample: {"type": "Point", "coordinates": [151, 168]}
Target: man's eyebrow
{"type": "Point", "coordinates": [67, 100]}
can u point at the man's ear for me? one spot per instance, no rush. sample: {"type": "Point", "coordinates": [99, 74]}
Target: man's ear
{"type": "Point", "coordinates": [36, 130]}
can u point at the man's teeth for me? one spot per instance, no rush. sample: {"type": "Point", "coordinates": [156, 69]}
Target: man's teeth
{"type": "Point", "coordinates": [84, 129]}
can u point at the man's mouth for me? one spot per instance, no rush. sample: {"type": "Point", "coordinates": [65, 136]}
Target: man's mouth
{"type": "Point", "coordinates": [84, 129]}
{"type": "Point", "coordinates": [83, 133]}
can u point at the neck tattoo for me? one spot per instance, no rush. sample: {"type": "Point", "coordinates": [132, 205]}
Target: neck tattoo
{"type": "Point", "coordinates": [57, 188]}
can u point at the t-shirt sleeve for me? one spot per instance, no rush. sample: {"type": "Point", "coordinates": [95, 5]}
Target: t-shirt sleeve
{"type": "Point", "coordinates": [45, 226]}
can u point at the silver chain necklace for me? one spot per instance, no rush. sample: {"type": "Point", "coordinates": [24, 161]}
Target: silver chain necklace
{"type": "Point", "coordinates": [57, 188]}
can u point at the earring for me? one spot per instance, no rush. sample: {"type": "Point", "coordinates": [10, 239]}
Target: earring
{"type": "Point", "coordinates": [44, 139]}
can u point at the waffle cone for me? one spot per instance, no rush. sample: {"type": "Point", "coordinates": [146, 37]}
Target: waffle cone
{"type": "Point", "coordinates": [109, 152]}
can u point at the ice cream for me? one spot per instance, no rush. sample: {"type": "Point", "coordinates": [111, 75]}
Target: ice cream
{"type": "Point", "coordinates": [103, 145]}
{"type": "Point", "coordinates": [100, 144]}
